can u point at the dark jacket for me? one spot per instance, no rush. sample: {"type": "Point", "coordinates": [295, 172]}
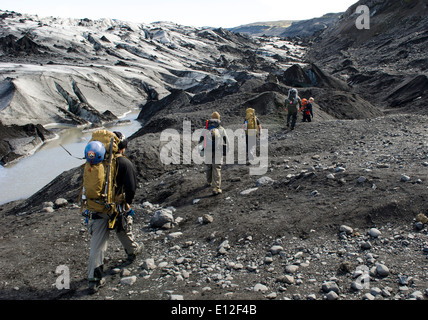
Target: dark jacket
{"type": "Point", "coordinates": [293, 105]}
{"type": "Point", "coordinates": [126, 179]}
{"type": "Point", "coordinates": [308, 108]}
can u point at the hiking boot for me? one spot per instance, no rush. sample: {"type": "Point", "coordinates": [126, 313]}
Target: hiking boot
{"type": "Point", "coordinates": [133, 256]}
{"type": "Point", "coordinates": [95, 285]}
{"type": "Point", "coordinates": [217, 191]}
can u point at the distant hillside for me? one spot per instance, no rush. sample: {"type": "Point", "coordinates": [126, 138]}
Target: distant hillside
{"type": "Point", "coordinates": [306, 28]}
{"type": "Point", "coordinates": [289, 28]}
{"type": "Point", "coordinates": [270, 28]}
{"type": "Point", "coordinates": [387, 64]}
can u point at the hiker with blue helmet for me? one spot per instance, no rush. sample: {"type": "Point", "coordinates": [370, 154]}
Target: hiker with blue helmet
{"type": "Point", "coordinates": [123, 185]}
{"type": "Point", "coordinates": [293, 104]}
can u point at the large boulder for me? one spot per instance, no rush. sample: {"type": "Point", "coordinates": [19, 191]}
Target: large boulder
{"type": "Point", "coordinates": [295, 76]}
{"type": "Point", "coordinates": [162, 218]}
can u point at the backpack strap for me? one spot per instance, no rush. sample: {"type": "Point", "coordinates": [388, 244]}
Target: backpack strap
{"type": "Point", "coordinates": [80, 199]}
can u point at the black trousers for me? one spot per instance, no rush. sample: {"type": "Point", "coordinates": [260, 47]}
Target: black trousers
{"type": "Point", "coordinates": [306, 117]}
{"type": "Point", "coordinates": [293, 116]}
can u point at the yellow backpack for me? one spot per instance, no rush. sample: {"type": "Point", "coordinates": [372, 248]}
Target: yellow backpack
{"type": "Point", "coordinates": [251, 121]}
{"type": "Point", "coordinates": [99, 179]}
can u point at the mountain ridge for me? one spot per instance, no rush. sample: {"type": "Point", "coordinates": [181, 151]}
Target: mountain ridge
{"type": "Point", "coordinates": [289, 28]}
{"type": "Point", "coordinates": [385, 61]}
{"type": "Point", "coordinates": [72, 71]}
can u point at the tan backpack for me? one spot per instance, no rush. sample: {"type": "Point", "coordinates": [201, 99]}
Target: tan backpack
{"type": "Point", "coordinates": [251, 121]}
{"type": "Point", "coordinates": [99, 179]}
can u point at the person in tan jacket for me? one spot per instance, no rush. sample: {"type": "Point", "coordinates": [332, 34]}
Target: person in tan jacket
{"type": "Point", "coordinates": [215, 142]}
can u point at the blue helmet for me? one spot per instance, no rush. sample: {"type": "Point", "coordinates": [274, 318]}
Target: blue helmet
{"type": "Point", "coordinates": [95, 152]}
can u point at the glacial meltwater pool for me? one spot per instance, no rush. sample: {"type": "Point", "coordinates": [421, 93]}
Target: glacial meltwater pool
{"type": "Point", "coordinates": [24, 178]}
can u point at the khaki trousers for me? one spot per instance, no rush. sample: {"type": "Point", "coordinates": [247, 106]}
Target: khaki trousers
{"type": "Point", "coordinates": [213, 172]}
{"type": "Point", "coordinates": [99, 231]}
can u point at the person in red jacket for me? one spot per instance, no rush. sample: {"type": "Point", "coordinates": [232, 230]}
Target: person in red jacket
{"type": "Point", "coordinates": [307, 110]}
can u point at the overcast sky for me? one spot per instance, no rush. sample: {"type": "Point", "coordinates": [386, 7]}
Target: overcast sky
{"type": "Point", "coordinates": [197, 13]}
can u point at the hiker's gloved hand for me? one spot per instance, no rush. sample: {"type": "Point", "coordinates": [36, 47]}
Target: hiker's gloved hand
{"type": "Point", "coordinates": [130, 212]}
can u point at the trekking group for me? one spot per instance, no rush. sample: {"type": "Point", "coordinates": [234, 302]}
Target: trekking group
{"type": "Point", "coordinates": [295, 104]}
{"type": "Point", "coordinates": [110, 180]}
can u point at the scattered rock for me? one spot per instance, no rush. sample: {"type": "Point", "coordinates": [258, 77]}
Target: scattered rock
{"type": "Point", "coordinates": [405, 178]}
{"type": "Point", "coordinates": [48, 209]}
{"type": "Point", "coordinates": [276, 249]}
{"type": "Point", "coordinates": [223, 247]}
{"type": "Point", "coordinates": [248, 191]}
{"type": "Point", "coordinates": [345, 266]}
{"type": "Point", "coordinates": [375, 291]}
{"type": "Point", "coordinates": [125, 273]}
{"type": "Point", "coordinates": [417, 295]}
{"type": "Point", "coordinates": [60, 202]}
{"type": "Point", "coordinates": [148, 206]}
{"type": "Point", "coordinates": [383, 165]}
{"type": "Point", "coordinates": [291, 268]}
{"type": "Point", "coordinates": [373, 232]}
{"type": "Point", "coordinates": [260, 287]}
{"type": "Point", "coordinates": [271, 295]}
{"type": "Point", "coordinates": [361, 179]}
{"type": "Point", "coordinates": [47, 204]}
{"type": "Point", "coordinates": [311, 296]}
{"type": "Point", "coordinates": [206, 218]}
{"type": "Point", "coordinates": [288, 279]}
{"type": "Point", "coordinates": [366, 245]}
{"type": "Point", "coordinates": [174, 235]}
{"type": "Point", "coordinates": [149, 264]}
{"type": "Point", "coordinates": [128, 280]}
{"type": "Point", "coordinates": [344, 228]}
{"type": "Point", "coordinates": [422, 218]}
{"type": "Point", "coordinates": [368, 296]}
{"type": "Point", "coordinates": [382, 270]}
{"type": "Point", "coordinates": [330, 286]}
{"type": "Point", "coordinates": [332, 295]}
{"type": "Point", "coordinates": [264, 181]}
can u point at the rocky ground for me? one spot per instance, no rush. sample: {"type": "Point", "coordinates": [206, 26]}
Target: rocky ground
{"type": "Point", "coordinates": [338, 207]}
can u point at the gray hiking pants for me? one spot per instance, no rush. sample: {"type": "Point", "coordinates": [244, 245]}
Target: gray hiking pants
{"type": "Point", "coordinates": [99, 231]}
